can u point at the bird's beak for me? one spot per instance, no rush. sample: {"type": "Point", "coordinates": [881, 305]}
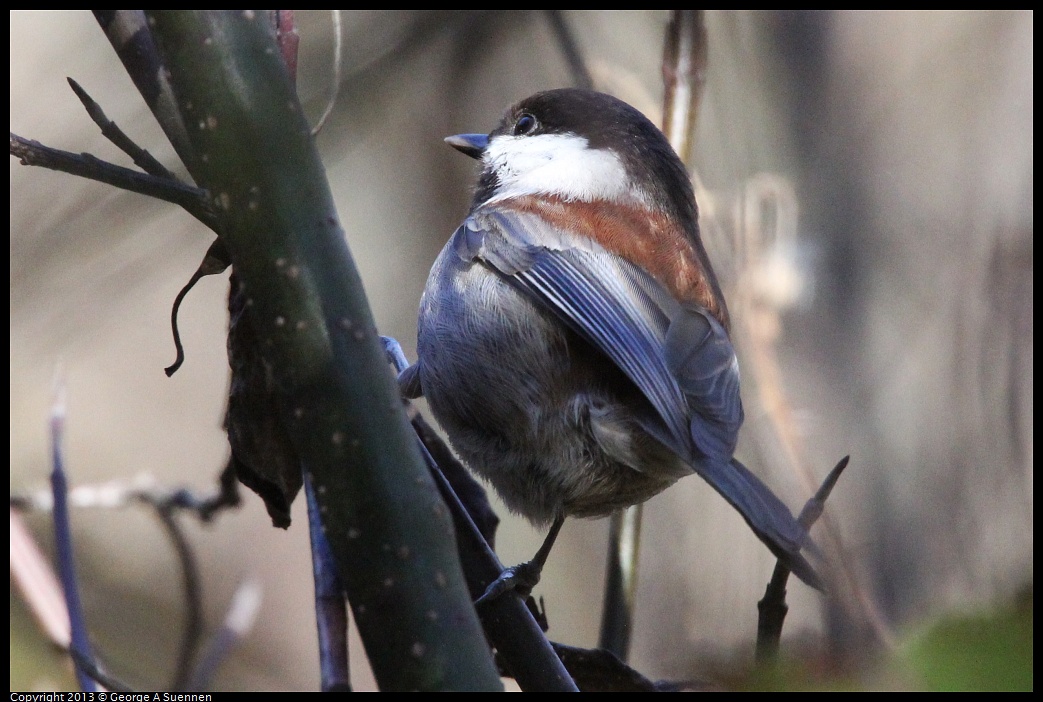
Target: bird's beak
{"type": "Point", "coordinates": [471, 144]}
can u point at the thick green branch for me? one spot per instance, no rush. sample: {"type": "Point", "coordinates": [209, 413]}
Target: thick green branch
{"type": "Point", "coordinates": [385, 521]}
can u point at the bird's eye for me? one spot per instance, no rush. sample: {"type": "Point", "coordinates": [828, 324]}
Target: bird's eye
{"type": "Point", "coordinates": [526, 124]}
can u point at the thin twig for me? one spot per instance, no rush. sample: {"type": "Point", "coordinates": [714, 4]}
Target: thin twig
{"type": "Point", "coordinates": [90, 667]}
{"type": "Point", "coordinates": [63, 536]}
{"type": "Point", "coordinates": [194, 200]}
{"type": "Point", "coordinates": [238, 622]}
{"type": "Point", "coordinates": [772, 608]}
{"type": "Point", "coordinates": [142, 158]}
{"type": "Point", "coordinates": [166, 504]}
{"type": "Point", "coordinates": [117, 494]}
{"type": "Point", "coordinates": [814, 507]}
{"type": "Point", "coordinates": [684, 74]}
{"type": "Point", "coordinates": [193, 630]}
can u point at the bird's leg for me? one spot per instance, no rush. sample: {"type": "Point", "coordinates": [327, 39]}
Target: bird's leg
{"type": "Point", "coordinates": [523, 577]}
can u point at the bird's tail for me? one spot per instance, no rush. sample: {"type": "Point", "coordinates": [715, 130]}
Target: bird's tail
{"type": "Point", "coordinates": [769, 518]}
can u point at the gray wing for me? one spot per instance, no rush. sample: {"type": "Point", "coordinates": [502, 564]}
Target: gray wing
{"type": "Point", "coordinates": [679, 357]}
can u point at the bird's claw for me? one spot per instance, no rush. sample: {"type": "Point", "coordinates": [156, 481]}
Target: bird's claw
{"type": "Point", "coordinates": [393, 351]}
{"type": "Point", "coordinates": [520, 578]}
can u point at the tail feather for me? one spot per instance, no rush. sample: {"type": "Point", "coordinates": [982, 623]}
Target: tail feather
{"type": "Point", "coordinates": [766, 514]}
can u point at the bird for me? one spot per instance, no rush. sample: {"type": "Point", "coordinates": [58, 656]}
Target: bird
{"type": "Point", "coordinates": [572, 338]}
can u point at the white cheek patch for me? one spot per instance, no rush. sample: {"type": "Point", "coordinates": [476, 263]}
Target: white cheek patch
{"type": "Point", "coordinates": [556, 164]}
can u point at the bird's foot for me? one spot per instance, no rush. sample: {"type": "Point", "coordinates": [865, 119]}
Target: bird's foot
{"type": "Point", "coordinates": [393, 351]}
{"type": "Point", "coordinates": [520, 578]}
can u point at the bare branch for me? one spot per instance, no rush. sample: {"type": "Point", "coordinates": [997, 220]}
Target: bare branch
{"type": "Point", "coordinates": [684, 73]}
{"type": "Point", "coordinates": [772, 608]}
{"type": "Point", "coordinates": [142, 158]}
{"type": "Point", "coordinates": [194, 200]}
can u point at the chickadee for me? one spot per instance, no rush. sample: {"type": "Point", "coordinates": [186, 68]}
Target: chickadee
{"type": "Point", "coordinates": [573, 339]}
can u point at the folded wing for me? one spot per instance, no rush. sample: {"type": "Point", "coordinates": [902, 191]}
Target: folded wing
{"type": "Point", "coordinates": [678, 356]}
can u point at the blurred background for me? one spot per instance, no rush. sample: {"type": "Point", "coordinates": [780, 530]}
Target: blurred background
{"type": "Point", "coordinates": [865, 181]}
